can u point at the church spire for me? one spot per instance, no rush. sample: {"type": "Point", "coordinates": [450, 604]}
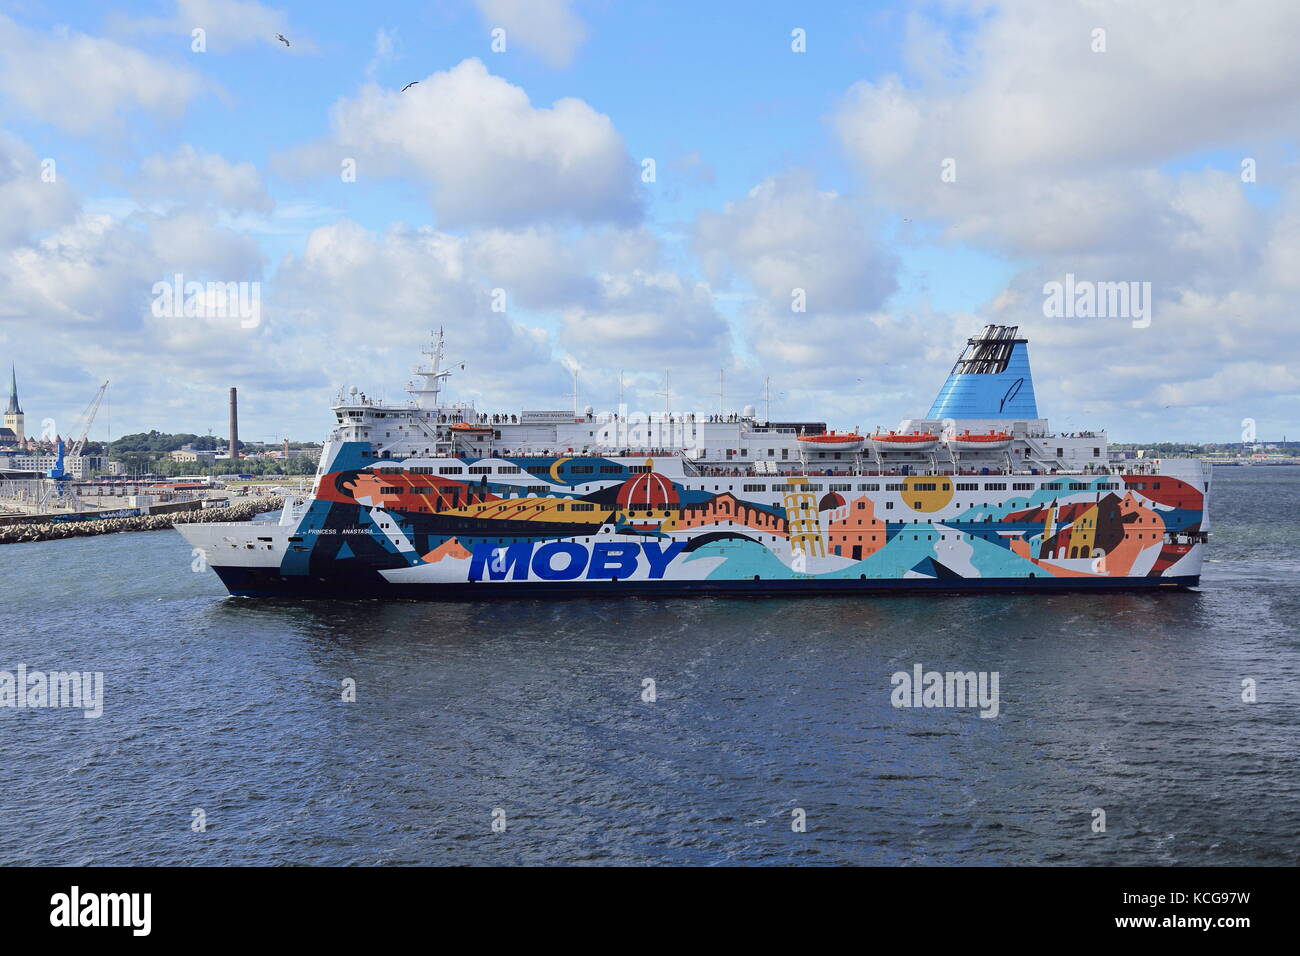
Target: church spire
{"type": "Point", "coordinates": [13, 408]}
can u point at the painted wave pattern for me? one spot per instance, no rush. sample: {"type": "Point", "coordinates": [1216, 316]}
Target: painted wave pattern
{"type": "Point", "coordinates": [597, 519]}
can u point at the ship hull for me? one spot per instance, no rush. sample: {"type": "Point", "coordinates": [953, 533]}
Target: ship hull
{"type": "Point", "coordinates": [843, 534]}
{"type": "Point", "coordinates": [269, 583]}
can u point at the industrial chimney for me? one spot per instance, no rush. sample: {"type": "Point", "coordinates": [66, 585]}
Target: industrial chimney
{"type": "Point", "coordinates": [234, 424]}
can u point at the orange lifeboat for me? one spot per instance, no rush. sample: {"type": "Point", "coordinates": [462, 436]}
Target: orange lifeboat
{"type": "Point", "coordinates": [922, 441]}
{"type": "Point", "coordinates": [834, 441]}
{"type": "Point", "coordinates": [990, 441]}
{"type": "Point", "coordinates": [465, 428]}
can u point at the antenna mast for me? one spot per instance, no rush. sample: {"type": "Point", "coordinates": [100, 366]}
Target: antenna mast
{"type": "Point", "coordinates": [432, 373]}
{"type": "Point", "coordinates": [666, 393]}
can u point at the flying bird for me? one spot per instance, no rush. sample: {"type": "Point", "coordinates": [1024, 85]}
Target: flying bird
{"type": "Point", "coordinates": [280, 37]}
{"type": "Point", "coordinates": [409, 85]}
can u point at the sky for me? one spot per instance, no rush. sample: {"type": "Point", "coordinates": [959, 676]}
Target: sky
{"type": "Point", "coordinates": [820, 201]}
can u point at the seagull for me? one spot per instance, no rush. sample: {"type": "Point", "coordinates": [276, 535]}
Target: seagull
{"type": "Point", "coordinates": [409, 85]}
{"type": "Point", "coordinates": [280, 37]}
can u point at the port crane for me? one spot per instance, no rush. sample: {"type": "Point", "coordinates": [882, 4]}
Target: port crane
{"type": "Point", "coordinates": [58, 472]}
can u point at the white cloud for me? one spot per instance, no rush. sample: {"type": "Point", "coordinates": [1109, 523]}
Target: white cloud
{"type": "Point", "coordinates": [489, 156]}
{"type": "Point", "coordinates": [1056, 145]}
{"type": "Point", "coordinates": [548, 28]}
{"type": "Point", "coordinates": [29, 203]}
{"type": "Point", "coordinates": [537, 268]}
{"type": "Point", "coordinates": [86, 84]}
{"type": "Point", "coordinates": [358, 293]}
{"type": "Point", "coordinates": [786, 235]}
{"type": "Point", "coordinates": [228, 25]}
{"type": "Point", "coordinates": [195, 177]}
{"type": "Point", "coordinates": [648, 319]}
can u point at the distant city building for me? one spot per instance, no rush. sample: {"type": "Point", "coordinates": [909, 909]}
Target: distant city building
{"type": "Point", "coordinates": [189, 453]}
{"type": "Point", "coordinates": [79, 466]}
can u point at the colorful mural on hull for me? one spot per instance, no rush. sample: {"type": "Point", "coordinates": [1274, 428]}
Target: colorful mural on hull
{"type": "Point", "coordinates": [601, 520]}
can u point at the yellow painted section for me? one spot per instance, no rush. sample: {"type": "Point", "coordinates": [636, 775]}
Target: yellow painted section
{"type": "Point", "coordinates": [918, 495]}
{"type": "Point", "coordinates": [531, 509]}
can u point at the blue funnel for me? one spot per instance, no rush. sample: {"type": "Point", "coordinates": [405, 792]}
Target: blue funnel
{"type": "Point", "coordinates": [990, 380]}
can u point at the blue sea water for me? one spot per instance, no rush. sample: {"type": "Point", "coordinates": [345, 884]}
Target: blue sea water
{"type": "Point", "coordinates": [1126, 703]}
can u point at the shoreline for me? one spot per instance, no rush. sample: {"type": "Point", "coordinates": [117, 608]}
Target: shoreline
{"type": "Point", "coordinates": [51, 531]}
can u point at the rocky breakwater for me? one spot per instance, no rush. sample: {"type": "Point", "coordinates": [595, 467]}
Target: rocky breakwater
{"type": "Point", "coordinates": [47, 531]}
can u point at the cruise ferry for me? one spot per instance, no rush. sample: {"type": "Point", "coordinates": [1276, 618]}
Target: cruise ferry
{"type": "Point", "coordinates": [431, 499]}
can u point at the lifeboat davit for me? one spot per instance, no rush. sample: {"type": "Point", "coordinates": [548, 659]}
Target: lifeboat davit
{"type": "Point", "coordinates": [990, 441]}
{"type": "Point", "coordinates": [834, 441]}
{"type": "Point", "coordinates": [893, 441]}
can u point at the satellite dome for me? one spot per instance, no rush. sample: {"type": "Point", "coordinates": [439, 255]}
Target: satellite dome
{"type": "Point", "coordinates": [588, 410]}
{"type": "Point", "coordinates": [748, 411]}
